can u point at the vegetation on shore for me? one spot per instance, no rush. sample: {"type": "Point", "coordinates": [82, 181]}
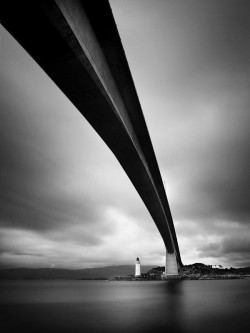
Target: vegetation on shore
{"type": "Point", "coordinates": [199, 271]}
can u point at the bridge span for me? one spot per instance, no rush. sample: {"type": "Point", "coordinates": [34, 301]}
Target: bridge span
{"type": "Point", "coordinates": [77, 44]}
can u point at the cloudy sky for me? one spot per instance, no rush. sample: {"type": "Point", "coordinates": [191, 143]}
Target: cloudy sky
{"type": "Point", "coordinates": [64, 199]}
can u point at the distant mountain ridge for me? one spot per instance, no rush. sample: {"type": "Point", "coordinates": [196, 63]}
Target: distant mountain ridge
{"type": "Point", "coordinates": [69, 274]}
{"type": "Point", "coordinates": [109, 272]}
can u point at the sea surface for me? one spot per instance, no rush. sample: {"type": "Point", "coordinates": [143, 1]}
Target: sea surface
{"type": "Point", "coordinates": [125, 306]}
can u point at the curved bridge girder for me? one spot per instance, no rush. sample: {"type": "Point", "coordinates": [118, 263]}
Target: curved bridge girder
{"type": "Point", "coordinates": [77, 44]}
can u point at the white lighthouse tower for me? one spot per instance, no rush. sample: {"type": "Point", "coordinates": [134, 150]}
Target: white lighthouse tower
{"type": "Point", "coordinates": [137, 267]}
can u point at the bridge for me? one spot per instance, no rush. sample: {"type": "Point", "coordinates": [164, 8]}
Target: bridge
{"type": "Point", "coordinates": [77, 44]}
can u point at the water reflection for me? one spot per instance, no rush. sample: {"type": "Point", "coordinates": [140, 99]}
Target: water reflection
{"type": "Point", "coordinates": [173, 293]}
{"type": "Point", "coordinates": [58, 306]}
{"type": "Point", "coordinates": [129, 307]}
{"type": "Point", "coordinates": [143, 307]}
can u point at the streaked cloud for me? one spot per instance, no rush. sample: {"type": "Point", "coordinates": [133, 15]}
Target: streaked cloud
{"type": "Point", "coordinates": [65, 199]}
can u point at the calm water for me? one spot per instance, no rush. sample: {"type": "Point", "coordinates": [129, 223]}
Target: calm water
{"type": "Point", "coordinates": [104, 306]}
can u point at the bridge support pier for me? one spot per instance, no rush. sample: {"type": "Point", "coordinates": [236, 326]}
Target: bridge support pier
{"type": "Point", "coordinates": [171, 268]}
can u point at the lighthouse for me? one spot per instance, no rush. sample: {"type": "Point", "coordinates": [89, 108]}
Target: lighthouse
{"type": "Point", "coordinates": [137, 267]}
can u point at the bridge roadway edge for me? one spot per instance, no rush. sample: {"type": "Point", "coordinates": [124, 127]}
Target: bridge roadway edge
{"type": "Point", "coordinates": [57, 59]}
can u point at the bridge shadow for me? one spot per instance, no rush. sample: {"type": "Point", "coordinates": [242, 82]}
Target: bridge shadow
{"type": "Point", "coordinates": [160, 309]}
{"type": "Point", "coordinates": [154, 307]}
{"type": "Point", "coordinates": [172, 318]}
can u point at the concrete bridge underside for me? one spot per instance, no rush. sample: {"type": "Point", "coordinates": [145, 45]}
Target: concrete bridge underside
{"type": "Point", "coordinates": [77, 44]}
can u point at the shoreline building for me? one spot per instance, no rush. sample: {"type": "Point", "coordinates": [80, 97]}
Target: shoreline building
{"type": "Point", "coordinates": [137, 267]}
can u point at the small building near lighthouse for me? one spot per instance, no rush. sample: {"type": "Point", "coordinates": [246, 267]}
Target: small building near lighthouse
{"type": "Point", "coordinates": [137, 267]}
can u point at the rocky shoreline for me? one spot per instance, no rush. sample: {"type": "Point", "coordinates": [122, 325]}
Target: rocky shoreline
{"type": "Point", "coordinates": [214, 277]}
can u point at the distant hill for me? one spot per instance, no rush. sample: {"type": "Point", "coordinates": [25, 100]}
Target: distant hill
{"type": "Point", "coordinates": [112, 271]}
{"type": "Point", "coordinates": [70, 274]}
